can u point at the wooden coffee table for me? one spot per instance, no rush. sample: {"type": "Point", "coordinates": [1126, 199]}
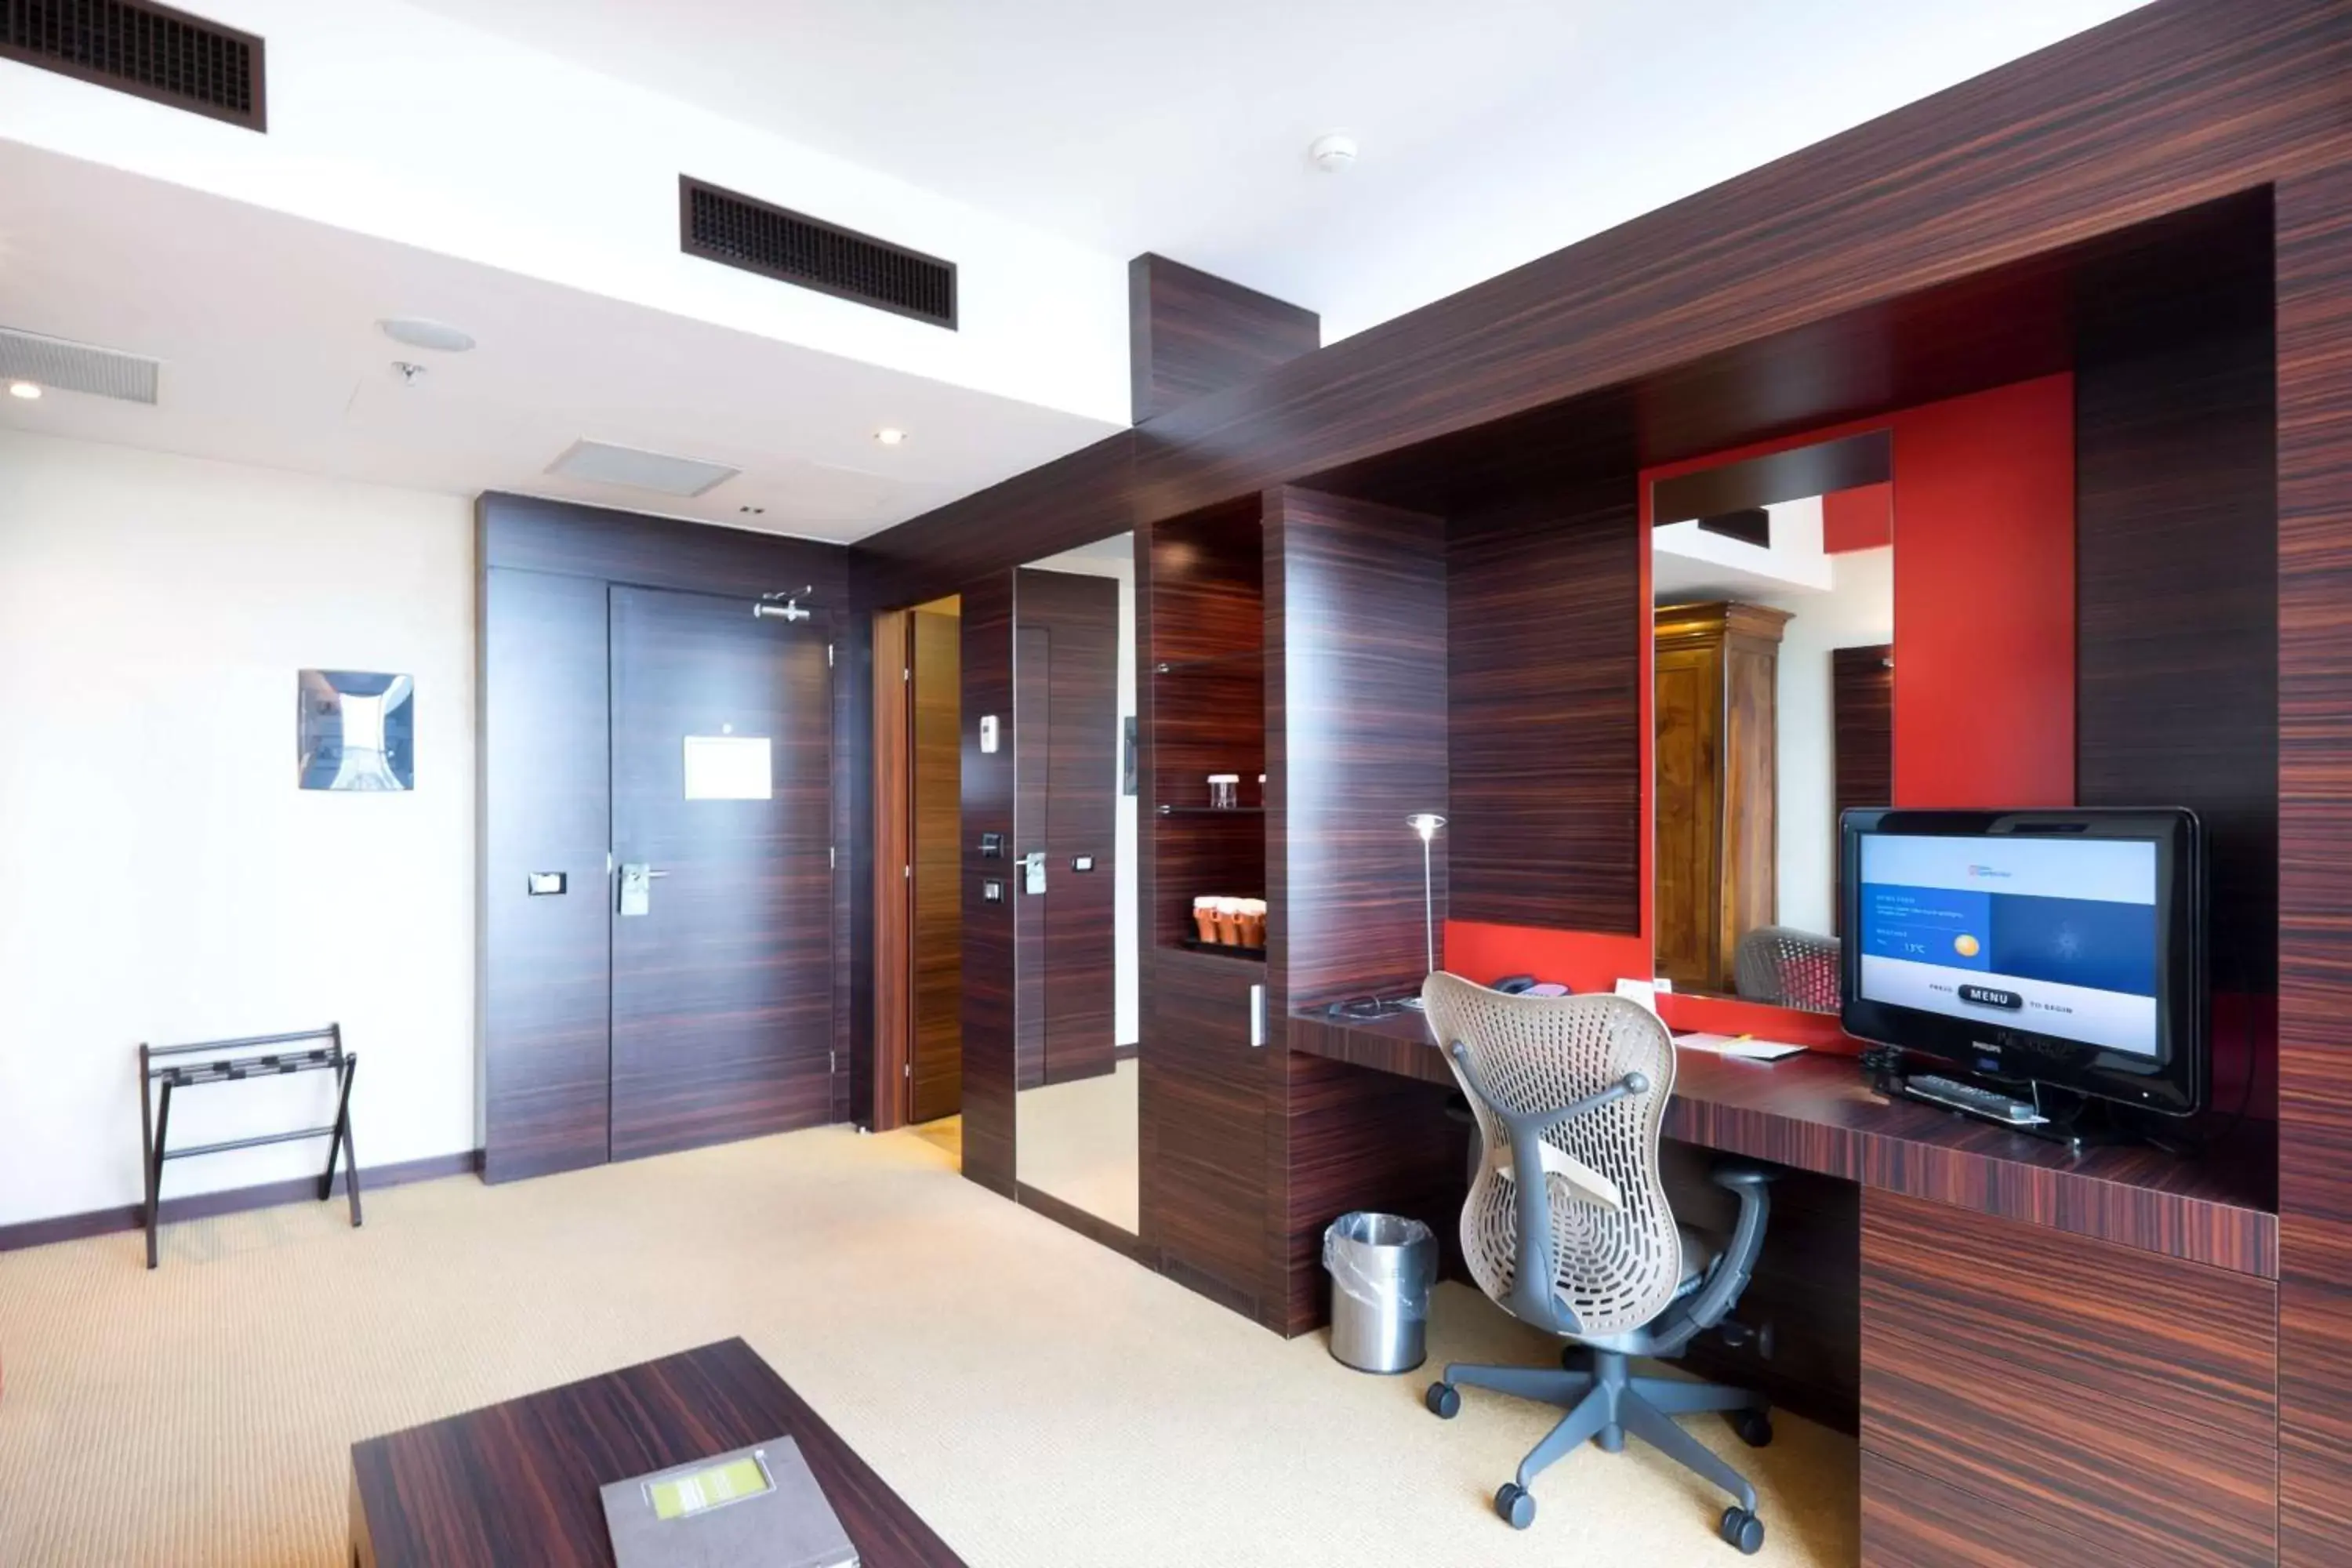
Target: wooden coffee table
{"type": "Point", "coordinates": [515, 1484]}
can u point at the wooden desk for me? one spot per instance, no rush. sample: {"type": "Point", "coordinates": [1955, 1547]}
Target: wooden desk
{"type": "Point", "coordinates": [1816, 1113]}
{"type": "Point", "coordinates": [515, 1484]}
{"type": "Point", "coordinates": [2050, 1357]}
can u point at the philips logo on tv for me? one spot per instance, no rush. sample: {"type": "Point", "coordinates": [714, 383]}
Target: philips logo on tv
{"type": "Point", "coordinates": [1987, 871]}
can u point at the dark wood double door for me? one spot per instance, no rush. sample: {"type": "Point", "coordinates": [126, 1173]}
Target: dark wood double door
{"type": "Point", "coordinates": [704, 1012]}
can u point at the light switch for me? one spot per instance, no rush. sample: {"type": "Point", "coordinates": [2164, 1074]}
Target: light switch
{"type": "Point", "coordinates": [545, 882]}
{"type": "Point", "coordinates": [988, 734]}
{"type": "Point", "coordinates": [992, 891]}
{"type": "Point", "coordinates": [1082, 862]}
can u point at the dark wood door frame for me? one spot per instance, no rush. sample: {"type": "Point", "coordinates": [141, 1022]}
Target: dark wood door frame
{"type": "Point", "coordinates": [894, 848]}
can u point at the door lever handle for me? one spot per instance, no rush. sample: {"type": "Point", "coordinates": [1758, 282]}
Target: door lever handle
{"type": "Point", "coordinates": [651, 872]}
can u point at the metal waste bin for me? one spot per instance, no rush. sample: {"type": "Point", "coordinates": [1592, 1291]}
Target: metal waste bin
{"type": "Point", "coordinates": [1381, 1268]}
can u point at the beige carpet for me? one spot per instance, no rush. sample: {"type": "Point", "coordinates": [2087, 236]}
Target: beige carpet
{"type": "Point", "coordinates": [1043, 1402]}
{"type": "Point", "coordinates": [1079, 1140]}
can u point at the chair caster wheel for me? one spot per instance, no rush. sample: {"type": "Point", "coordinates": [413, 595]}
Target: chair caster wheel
{"type": "Point", "coordinates": [1743, 1529]}
{"type": "Point", "coordinates": [1516, 1508]}
{"type": "Point", "coordinates": [1444, 1400]}
{"type": "Point", "coordinates": [1754, 1427]}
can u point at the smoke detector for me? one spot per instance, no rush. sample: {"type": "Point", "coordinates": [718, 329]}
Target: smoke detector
{"type": "Point", "coordinates": [1334, 153]}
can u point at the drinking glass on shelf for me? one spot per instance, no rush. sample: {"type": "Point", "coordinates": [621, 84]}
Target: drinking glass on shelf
{"type": "Point", "coordinates": [1224, 791]}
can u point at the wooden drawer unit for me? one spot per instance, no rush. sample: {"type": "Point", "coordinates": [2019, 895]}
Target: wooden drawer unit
{"type": "Point", "coordinates": [2119, 1396]}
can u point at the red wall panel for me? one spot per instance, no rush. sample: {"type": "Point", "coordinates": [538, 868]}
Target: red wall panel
{"type": "Point", "coordinates": [1983, 500]}
{"type": "Point", "coordinates": [1984, 599]}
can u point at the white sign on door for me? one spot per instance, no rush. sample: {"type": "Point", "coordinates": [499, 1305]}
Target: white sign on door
{"type": "Point", "coordinates": [729, 767]}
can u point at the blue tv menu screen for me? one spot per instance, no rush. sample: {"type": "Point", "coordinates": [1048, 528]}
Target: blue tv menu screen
{"type": "Point", "coordinates": [2055, 936]}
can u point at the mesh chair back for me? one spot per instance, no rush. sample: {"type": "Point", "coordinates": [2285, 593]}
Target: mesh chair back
{"type": "Point", "coordinates": [1617, 1267]}
{"type": "Point", "coordinates": [1789, 968]}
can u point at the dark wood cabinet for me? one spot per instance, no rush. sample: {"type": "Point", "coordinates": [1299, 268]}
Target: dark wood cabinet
{"type": "Point", "coordinates": [1203, 1123]}
{"type": "Point", "coordinates": [1716, 672]}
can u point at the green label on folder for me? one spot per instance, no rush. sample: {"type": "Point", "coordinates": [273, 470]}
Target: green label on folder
{"type": "Point", "coordinates": [696, 1491]}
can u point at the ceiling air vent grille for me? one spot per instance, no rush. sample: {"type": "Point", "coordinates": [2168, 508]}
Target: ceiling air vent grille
{"type": "Point", "coordinates": [153, 51]}
{"type": "Point", "coordinates": [737, 231]}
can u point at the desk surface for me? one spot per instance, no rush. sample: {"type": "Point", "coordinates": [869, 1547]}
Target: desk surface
{"type": "Point", "coordinates": [1817, 1114]}
{"type": "Point", "coordinates": [518, 1482]}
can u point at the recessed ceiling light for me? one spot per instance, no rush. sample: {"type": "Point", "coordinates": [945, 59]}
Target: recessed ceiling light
{"type": "Point", "coordinates": [27, 390]}
{"type": "Point", "coordinates": [892, 435]}
{"type": "Point", "coordinates": [417, 332]}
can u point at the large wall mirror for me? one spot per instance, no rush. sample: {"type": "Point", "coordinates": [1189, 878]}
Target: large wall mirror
{"type": "Point", "coordinates": [1773, 590]}
{"type": "Point", "coordinates": [1074, 882]}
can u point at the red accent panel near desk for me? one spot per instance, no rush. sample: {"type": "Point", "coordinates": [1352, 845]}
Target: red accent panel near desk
{"type": "Point", "coordinates": [1984, 661]}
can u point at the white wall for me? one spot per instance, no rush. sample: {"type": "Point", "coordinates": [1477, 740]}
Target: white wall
{"type": "Point", "coordinates": [1857, 611]}
{"type": "Point", "coordinates": [1116, 558]}
{"type": "Point", "coordinates": [162, 878]}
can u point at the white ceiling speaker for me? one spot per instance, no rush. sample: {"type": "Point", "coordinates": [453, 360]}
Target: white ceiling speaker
{"type": "Point", "coordinates": [605, 464]}
{"type": "Point", "coordinates": [417, 332]}
{"type": "Point", "coordinates": [62, 366]}
{"type": "Point", "coordinates": [1334, 153]}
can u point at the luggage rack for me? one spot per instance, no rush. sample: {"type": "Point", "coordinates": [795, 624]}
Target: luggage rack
{"type": "Point", "coordinates": [155, 1108]}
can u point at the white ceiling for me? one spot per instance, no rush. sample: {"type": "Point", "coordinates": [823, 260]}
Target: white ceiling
{"type": "Point", "coordinates": [265, 324]}
{"type": "Point", "coordinates": [1493, 130]}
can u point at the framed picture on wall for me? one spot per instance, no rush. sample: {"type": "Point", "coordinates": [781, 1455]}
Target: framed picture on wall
{"type": "Point", "coordinates": [355, 730]}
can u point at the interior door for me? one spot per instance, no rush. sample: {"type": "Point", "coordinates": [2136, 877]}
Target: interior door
{"type": "Point", "coordinates": [1067, 692]}
{"type": "Point", "coordinates": [722, 931]}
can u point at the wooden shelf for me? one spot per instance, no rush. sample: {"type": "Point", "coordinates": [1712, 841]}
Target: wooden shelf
{"type": "Point", "coordinates": [1210, 810]}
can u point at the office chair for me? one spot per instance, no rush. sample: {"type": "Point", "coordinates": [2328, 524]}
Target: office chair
{"type": "Point", "coordinates": [1568, 1228]}
{"type": "Point", "coordinates": [1788, 967]}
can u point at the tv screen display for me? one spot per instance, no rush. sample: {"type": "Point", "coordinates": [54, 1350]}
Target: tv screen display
{"type": "Point", "coordinates": [2063, 947]}
{"type": "Point", "coordinates": [2058, 936]}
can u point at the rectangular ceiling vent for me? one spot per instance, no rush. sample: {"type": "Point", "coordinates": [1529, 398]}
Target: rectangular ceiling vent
{"type": "Point", "coordinates": [150, 51]}
{"type": "Point", "coordinates": [63, 366]}
{"type": "Point", "coordinates": [737, 231]}
{"type": "Point", "coordinates": [601, 462]}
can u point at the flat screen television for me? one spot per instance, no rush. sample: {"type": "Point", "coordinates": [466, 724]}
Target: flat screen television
{"type": "Point", "coordinates": [2063, 947]}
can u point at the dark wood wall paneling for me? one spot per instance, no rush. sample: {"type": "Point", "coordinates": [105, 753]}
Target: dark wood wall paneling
{"type": "Point", "coordinates": [2177, 615]}
{"type": "Point", "coordinates": [988, 948]}
{"type": "Point", "coordinates": [2315, 751]}
{"type": "Point", "coordinates": [1189, 332]}
{"type": "Point", "coordinates": [1356, 722]}
{"type": "Point", "coordinates": [2119, 1403]}
{"type": "Point", "coordinates": [544, 806]}
{"type": "Point", "coordinates": [1544, 702]}
{"type": "Point", "coordinates": [546, 567]}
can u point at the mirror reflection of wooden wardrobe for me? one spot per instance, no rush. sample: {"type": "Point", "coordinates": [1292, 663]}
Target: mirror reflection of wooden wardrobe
{"type": "Point", "coordinates": [1066, 665]}
{"type": "Point", "coordinates": [1717, 678]}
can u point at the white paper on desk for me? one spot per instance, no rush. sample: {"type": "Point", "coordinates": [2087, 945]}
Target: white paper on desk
{"type": "Point", "coordinates": [1734, 1046]}
{"type": "Point", "coordinates": [1639, 991]}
